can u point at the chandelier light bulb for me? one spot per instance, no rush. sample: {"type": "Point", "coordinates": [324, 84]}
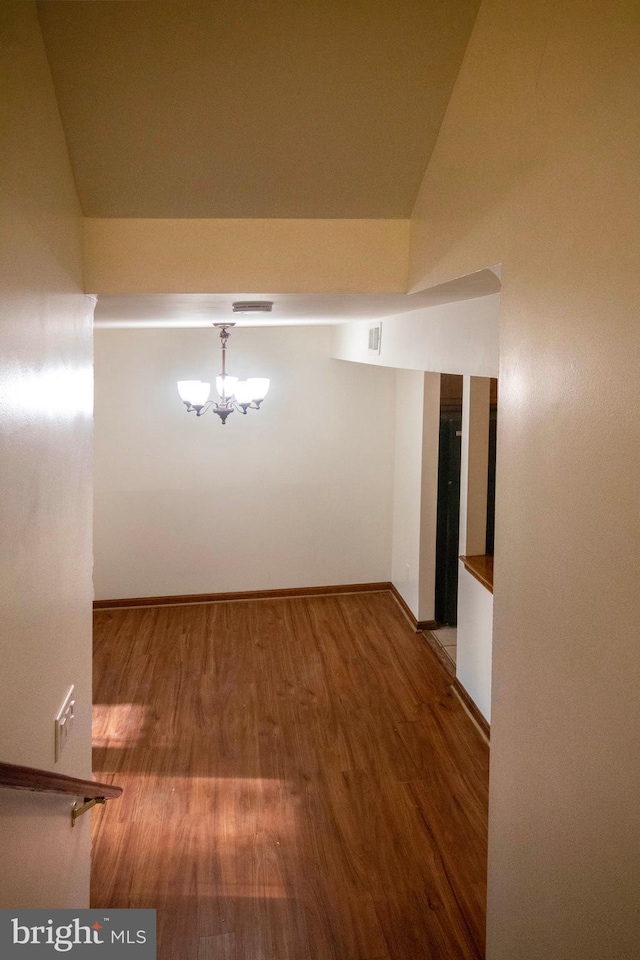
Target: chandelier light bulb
{"type": "Point", "coordinates": [194, 393]}
{"type": "Point", "coordinates": [225, 386]}
{"type": "Point", "coordinates": [244, 392]}
{"type": "Point", "coordinates": [259, 387]}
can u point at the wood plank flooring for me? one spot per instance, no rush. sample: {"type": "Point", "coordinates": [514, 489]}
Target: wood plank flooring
{"type": "Point", "coordinates": [299, 783]}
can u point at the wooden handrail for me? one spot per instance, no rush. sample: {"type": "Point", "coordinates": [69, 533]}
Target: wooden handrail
{"type": "Point", "coordinates": [44, 781]}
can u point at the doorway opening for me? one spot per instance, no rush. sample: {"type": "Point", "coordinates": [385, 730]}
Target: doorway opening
{"type": "Point", "coordinates": [450, 465]}
{"type": "Point", "coordinates": [448, 516]}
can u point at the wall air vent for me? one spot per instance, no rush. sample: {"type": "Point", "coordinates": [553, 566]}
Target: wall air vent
{"type": "Point", "coordinates": [252, 306]}
{"type": "Point", "coordinates": [375, 338]}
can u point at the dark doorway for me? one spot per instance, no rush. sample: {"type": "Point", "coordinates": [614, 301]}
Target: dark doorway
{"type": "Point", "coordinates": [491, 479]}
{"type": "Point", "coordinates": [448, 517]}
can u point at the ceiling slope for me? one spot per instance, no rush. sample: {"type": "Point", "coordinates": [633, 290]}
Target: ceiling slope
{"type": "Point", "coordinates": [240, 108]}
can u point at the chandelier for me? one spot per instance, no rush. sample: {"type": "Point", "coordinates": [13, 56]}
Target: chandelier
{"type": "Point", "coordinates": [234, 394]}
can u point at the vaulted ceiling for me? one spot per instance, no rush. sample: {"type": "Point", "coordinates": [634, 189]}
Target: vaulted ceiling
{"type": "Point", "coordinates": [253, 108]}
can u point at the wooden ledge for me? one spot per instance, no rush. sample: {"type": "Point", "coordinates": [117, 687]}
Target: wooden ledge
{"type": "Point", "coordinates": [481, 567]}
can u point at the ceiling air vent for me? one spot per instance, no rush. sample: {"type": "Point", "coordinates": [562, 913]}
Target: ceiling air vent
{"type": "Point", "coordinates": [253, 306]}
{"type": "Point", "coordinates": [375, 338]}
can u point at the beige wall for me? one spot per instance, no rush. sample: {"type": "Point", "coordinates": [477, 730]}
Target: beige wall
{"type": "Point", "coordinates": [536, 166]}
{"type": "Point", "coordinates": [45, 477]}
{"type": "Point", "coordinates": [295, 495]}
{"type": "Point", "coordinates": [216, 256]}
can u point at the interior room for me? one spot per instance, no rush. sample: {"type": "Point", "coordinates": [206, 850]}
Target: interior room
{"type": "Point", "coordinates": [314, 668]}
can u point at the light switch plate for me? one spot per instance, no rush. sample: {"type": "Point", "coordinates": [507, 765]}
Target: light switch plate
{"type": "Point", "coordinates": [64, 722]}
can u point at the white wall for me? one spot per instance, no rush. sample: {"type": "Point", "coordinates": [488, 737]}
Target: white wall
{"type": "Point", "coordinates": [475, 602]}
{"type": "Point", "coordinates": [474, 639]}
{"type": "Point", "coordinates": [415, 490]}
{"type": "Point", "coordinates": [407, 486]}
{"type": "Point", "coordinates": [429, 491]}
{"type": "Point", "coordinates": [297, 494]}
{"type": "Point", "coordinates": [45, 477]}
{"type": "Point", "coordinates": [536, 166]}
{"type": "Point", "coordinates": [460, 337]}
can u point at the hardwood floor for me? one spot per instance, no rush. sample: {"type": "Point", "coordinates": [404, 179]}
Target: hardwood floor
{"type": "Point", "coordinates": [299, 783]}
